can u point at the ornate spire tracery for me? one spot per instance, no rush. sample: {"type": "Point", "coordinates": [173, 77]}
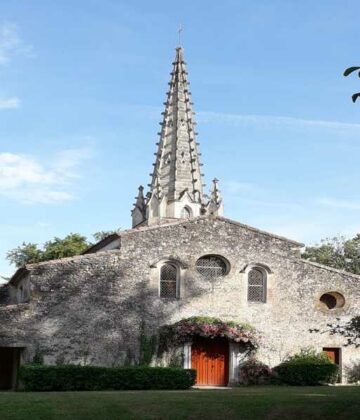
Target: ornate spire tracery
{"type": "Point", "coordinates": [177, 165]}
{"type": "Point", "coordinates": [176, 180]}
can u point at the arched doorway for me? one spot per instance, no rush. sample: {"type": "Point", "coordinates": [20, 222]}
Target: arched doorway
{"type": "Point", "coordinates": [210, 359]}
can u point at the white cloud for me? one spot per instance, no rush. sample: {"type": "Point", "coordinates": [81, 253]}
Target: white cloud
{"type": "Point", "coordinates": [11, 43]}
{"type": "Point", "coordinates": [267, 120]}
{"type": "Point", "coordinates": [28, 180]}
{"type": "Point", "coordinates": [340, 203]}
{"type": "Point", "coordinates": [9, 103]}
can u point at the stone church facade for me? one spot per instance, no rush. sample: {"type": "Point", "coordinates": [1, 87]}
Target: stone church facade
{"type": "Point", "coordinates": [181, 259]}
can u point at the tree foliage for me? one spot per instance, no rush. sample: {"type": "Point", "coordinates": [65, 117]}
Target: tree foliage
{"type": "Point", "coordinates": [23, 254]}
{"type": "Point", "coordinates": [102, 234]}
{"type": "Point", "coordinates": [351, 70]}
{"type": "Point", "coordinates": [349, 330]}
{"type": "Point", "coordinates": [72, 244]}
{"type": "Point", "coordinates": [343, 254]}
{"type": "Point", "coordinates": [337, 252]}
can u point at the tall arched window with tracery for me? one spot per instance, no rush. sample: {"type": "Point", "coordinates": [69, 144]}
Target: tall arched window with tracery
{"type": "Point", "coordinates": [169, 278]}
{"type": "Point", "coordinates": [256, 285]}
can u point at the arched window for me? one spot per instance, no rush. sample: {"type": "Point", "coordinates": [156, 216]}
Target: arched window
{"type": "Point", "coordinates": [256, 285]}
{"type": "Point", "coordinates": [211, 267]}
{"type": "Point", "coordinates": [186, 213]}
{"type": "Point", "coordinates": [169, 281]}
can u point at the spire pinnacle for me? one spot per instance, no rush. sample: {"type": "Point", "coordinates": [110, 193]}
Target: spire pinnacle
{"type": "Point", "coordinates": [215, 205]}
{"type": "Point", "coordinates": [139, 211]}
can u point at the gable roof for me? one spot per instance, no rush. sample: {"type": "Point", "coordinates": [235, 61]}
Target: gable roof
{"type": "Point", "coordinates": [106, 241]}
{"type": "Point", "coordinates": [23, 271]}
{"type": "Point", "coordinates": [328, 268]}
{"type": "Point", "coordinates": [220, 218]}
{"type": "Point", "coordinates": [101, 244]}
{"type": "Point", "coordinates": [18, 275]}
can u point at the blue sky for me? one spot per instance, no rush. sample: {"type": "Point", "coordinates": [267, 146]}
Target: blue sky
{"type": "Point", "coordinates": [81, 90]}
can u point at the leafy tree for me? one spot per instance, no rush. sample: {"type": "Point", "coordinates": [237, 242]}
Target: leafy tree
{"type": "Point", "coordinates": [23, 254]}
{"type": "Point", "coordinates": [349, 71]}
{"type": "Point", "coordinates": [102, 234]}
{"type": "Point", "coordinates": [343, 254]}
{"type": "Point", "coordinates": [72, 244]}
{"type": "Point", "coordinates": [349, 330]}
{"type": "Point", "coordinates": [337, 252]}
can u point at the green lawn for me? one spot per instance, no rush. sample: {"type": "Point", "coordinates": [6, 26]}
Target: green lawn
{"type": "Point", "coordinates": [341, 403]}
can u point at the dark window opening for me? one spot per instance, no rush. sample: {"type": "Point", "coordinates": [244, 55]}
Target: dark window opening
{"type": "Point", "coordinates": [332, 300]}
{"type": "Point", "coordinates": [256, 285]}
{"type": "Point", "coordinates": [168, 281]}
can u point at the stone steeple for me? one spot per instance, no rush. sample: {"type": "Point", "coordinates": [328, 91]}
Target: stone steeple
{"type": "Point", "coordinates": [176, 188]}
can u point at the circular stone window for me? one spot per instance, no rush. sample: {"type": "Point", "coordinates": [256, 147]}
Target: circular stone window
{"type": "Point", "coordinates": [332, 300]}
{"type": "Point", "coordinates": [212, 267]}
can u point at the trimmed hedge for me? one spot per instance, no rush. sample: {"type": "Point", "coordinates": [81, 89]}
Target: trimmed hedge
{"type": "Point", "coordinates": [306, 373]}
{"type": "Point", "coordinates": [91, 378]}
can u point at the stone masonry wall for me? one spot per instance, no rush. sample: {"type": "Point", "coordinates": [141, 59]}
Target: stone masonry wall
{"type": "Point", "coordinates": [91, 308]}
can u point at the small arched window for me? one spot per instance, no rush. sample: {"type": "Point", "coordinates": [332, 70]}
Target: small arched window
{"type": "Point", "coordinates": [186, 213]}
{"type": "Point", "coordinates": [256, 285]}
{"type": "Point", "coordinates": [169, 281]}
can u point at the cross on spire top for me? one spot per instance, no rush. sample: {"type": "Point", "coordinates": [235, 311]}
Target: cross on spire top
{"type": "Point", "coordinates": [179, 33]}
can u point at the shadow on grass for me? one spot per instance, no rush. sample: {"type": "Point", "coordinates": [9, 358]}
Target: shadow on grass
{"type": "Point", "coordinates": [238, 403]}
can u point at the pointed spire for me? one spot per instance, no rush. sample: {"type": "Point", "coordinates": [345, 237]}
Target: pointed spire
{"type": "Point", "coordinates": [176, 180]}
{"type": "Point", "coordinates": [177, 165]}
{"type": "Point", "coordinates": [176, 175]}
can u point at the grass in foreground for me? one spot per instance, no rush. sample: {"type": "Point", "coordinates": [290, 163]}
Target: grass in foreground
{"type": "Point", "coordinates": [241, 403]}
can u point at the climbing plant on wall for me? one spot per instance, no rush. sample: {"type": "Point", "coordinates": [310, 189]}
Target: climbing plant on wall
{"type": "Point", "coordinates": [185, 330]}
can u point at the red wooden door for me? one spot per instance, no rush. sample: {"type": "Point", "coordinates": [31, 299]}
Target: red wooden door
{"type": "Point", "coordinates": [210, 358]}
{"type": "Point", "coordinates": [333, 354]}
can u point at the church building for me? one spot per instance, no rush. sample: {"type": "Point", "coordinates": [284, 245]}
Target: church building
{"type": "Point", "coordinates": [182, 267]}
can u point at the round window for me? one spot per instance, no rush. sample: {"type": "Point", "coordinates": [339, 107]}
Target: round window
{"type": "Point", "coordinates": [332, 300]}
{"type": "Point", "coordinates": [211, 266]}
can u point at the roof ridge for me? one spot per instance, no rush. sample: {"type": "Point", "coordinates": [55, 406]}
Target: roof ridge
{"type": "Point", "coordinates": [264, 232]}
{"type": "Point", "coordinates": [224, 219]}
{"type": "Point", "coordinates": [327, 267]}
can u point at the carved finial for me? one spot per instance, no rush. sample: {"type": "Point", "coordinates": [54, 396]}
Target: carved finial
{"type": "Point", "coordinates": [215, 192]}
